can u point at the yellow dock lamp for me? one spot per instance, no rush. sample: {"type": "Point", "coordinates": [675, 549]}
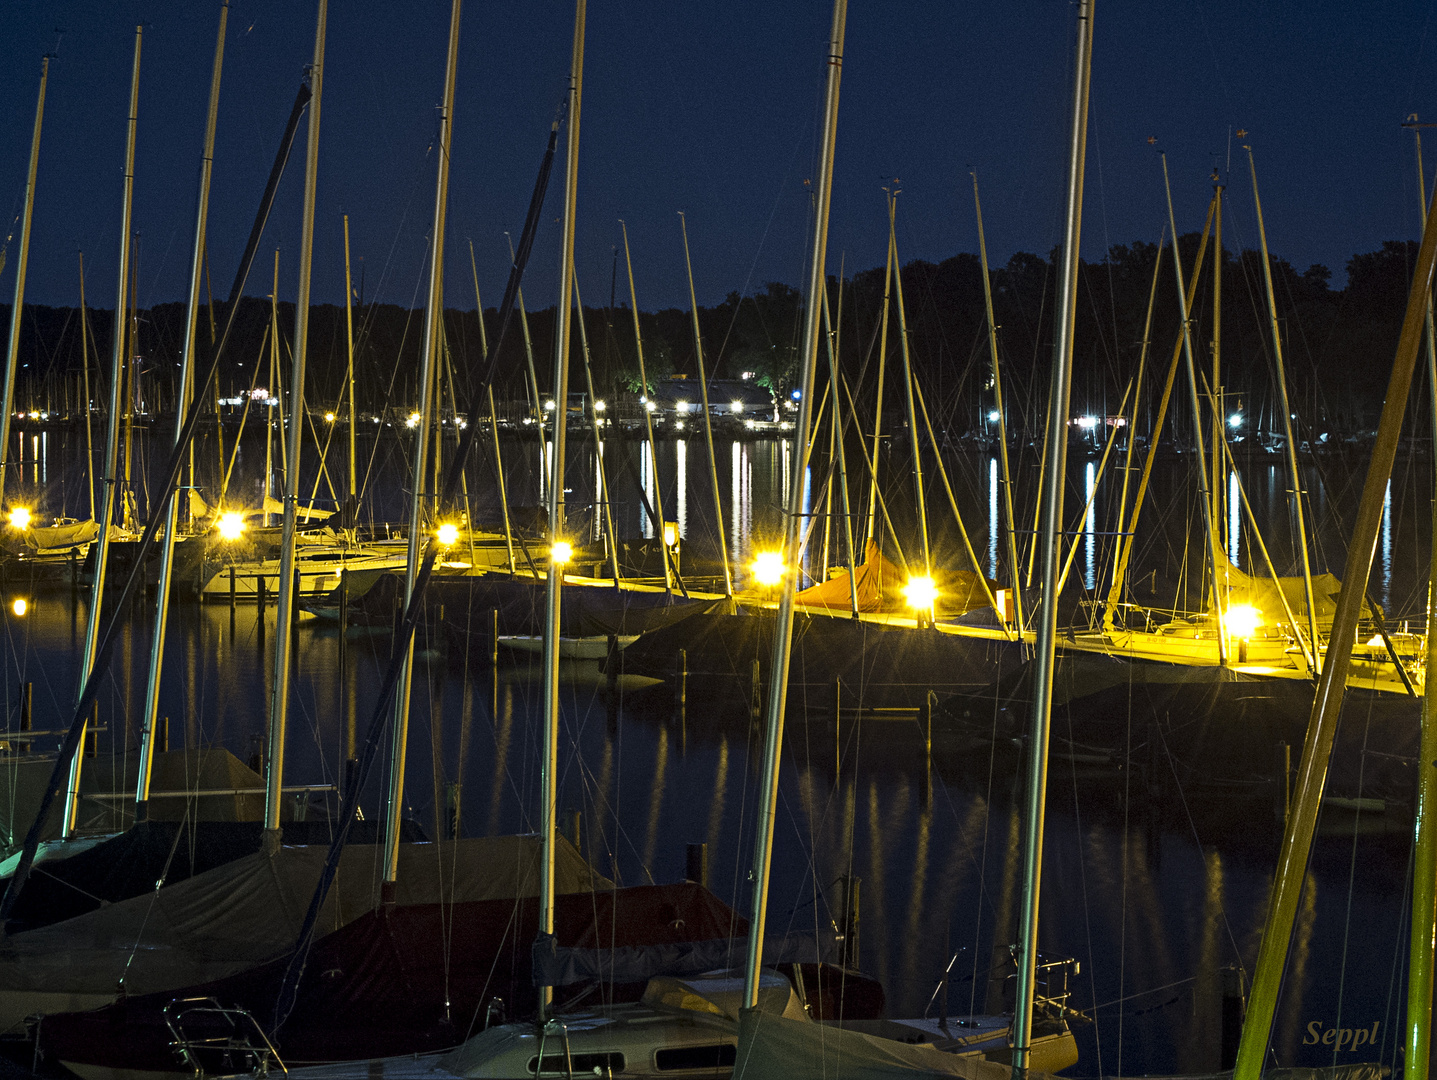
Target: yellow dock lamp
{"type": "Point", "coordinates": [20, 606]}
{"type": "Point", "coordinates": [1241, 621]}
{"type": "Point", "coordinates": [20, 518]}
{"type": "Point", "coordinates": [921, 594]}
{"type": "Point", "coordinates": [768, 569]}
{"type": "Point", "coordinates": [230, 525]}
{"type": "Point", "coordinates": [561, 553]}
{"type": "Point", "coordinates": [671, 541]}
{"type": "Point", "coordinates": [448, 534]}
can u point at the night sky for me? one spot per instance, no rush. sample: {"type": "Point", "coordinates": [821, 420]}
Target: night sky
{"type": "Point", "coordinates": [712, 109]}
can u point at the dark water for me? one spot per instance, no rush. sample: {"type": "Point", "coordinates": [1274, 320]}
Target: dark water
{"type": "Point", "coordinates": [1155, 901]}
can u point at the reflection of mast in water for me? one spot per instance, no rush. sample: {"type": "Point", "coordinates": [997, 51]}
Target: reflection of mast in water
{"type": "Point", "coordinates": [656, 801]}
{"type": "Point", "coordinates": [993, 518]}
{"type": "Point", "coordinates": [877, 847]}
{"type": "Point", "coordinates": [681, 470]}
{"type": "Point", "coordinates": [1387, 547]}
{"type": "Point", "coordinates": [741, 492]}
{"type": "Point", "coordinates": [503, 736]}
{"type": "Point", "coordinates": [918, 947]}
{"type": "Point", "coordinates": [720, 792]}
{"type": "Point", "coordinates": [605, 805]}
{"type": "Point", "coordinates": [1234, 519]}
{"type": "Point", "coordinates": [1090, 523]}
{"type": "Point", "coordinates": [647, 471]}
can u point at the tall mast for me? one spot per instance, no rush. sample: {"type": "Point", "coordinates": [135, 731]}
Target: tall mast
{"type": "Point", "coordinates": [648, 416]}
{"type": "Point", "coordinates": [533, 373]}
{"type": "Point", "coordinates": [85, 367]}
{"type": "Point", "coordinates": [1218, 412]}
{"type": "Point", "coordinates": [912, 412]}
{"type": "Point", "coordinates": [549, 763]}
{"type": "Point", "coordinates": [433, 315]}
{"type": "Point", "coordinates": [1049, 539]}
{"type": "Point", "coordinates": [1138, 396]}
{"type": "Point", "coordinates": [783, 630]}
{"type": "Point", "coordinates": [12, 352]}
{"type": "Point", "coordinates": [493, 424]}
{"type": "Point", "coordinates": [595, 420]}
{"type": "Point", "coordinates": [127, 497]}
{"type": "Point", "coordinates": [170, 507]}
{"type": "Point", "coordinates": [892, 199]}
{"type": "Point", "coordinates": [1013, 567]}
{"type": "Point", "coordinates": [111, 490]}
{"type": "Point", "coordinates": [284, 613]}
{"type": "Point", "coordinates": [353, 491]}
{"type": "Point", "coordinates": [1424, 839]}
{"type": "Point", "coordinates": [1299, 518]}
{"type": "Point", "coordinates": [708, 416]}
{"type": "Point", "coordinates": [836, 444]}
{"type": "Point", "coordinates": [1214, 546]}
{"type": "Point", "coordinates": [1331, 685]}
{"type": "Point", "coordinates": [269, 413]}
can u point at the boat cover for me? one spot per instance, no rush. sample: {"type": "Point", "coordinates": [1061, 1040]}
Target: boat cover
{"type": "Point", "coordinates": [566, 966]}
{"type": "Point", "coordinates": [247, 912]}
{"type": "Point", "coordinates": [880, 588]}
{"type": "Point", "coordinates": [1266, 594]}
{"type": "Point", "coordinates": [405, 979]}
{"type": "Point", "coordinates": [74, 534]}
{"type": "Point", "coordinates": [774, 1047]}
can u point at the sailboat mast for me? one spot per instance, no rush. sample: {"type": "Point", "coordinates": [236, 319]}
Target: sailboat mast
{"type": "Point", "coordinates": [605, 497]}
{"type": "Point", "coordinates": [170, 506]}
{"type": "Point", "coordinates": [433, 314]}
{"type": "Point", "coordinates": [1138, 392]}
{"type": "Point", "coordinates": [1219, 503]}
{"type": "Point", "coordinates": [269, 413]}
{"type": "Point", "coordinates": [708, 416]}
{"type": "Point", "coordinates": [1331, 686]}
{"type": "Point", "coordinates": [892, 198]}
{"type": "Point", "coordinates": [85, 368]}
{"type": "Point", "coordinates": [1049, 540]}
{"type": "Point", "coordinates": [912, 412]}
{"type": "Point", "coordinates": [549, 766]}
{"type": "Point", "coordinates": [1214, 546]}
{"type": "Point", "coordinates": [1299, 518]}
{"type": "Point", "coordinates": [783, 630]}
{"type": "Point", "coordinates": [836, 445]}
{"type": "Point", "coordinates": [353, 491]}
{"type": "Point", "coordinates": [284, 612]}
{"type": "Point", "coordinates": [648, 416]}
{"type": "Point", "coordinates": [1013, 568]}
{"type": "Point", "coordinates": [12, 352]}
{"type": "Point", "coordinates": [1424, 838]}
{"type": "Point", "coordinates": [111, 490]}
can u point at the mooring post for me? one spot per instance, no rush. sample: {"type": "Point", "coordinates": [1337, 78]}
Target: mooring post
{"type": "Point", "coordinates": [162, 736]}
{"type": "Point", "coordinates": [755, 695]}
{"type": "Point", "coordinates": [696, 864]}
{"type": "Point", "coordinates": [232, 590]}
{"type": "Point", "coordinates": [848, 904]}
{"type": "Point", "coordinates": [1234, 1009]}
{"type": "Point", "coordinates": [681, 687]}
{"type": "Point", "coordinates": [930, 700]}
{"type": "Point", "coordinates": [493, 622]}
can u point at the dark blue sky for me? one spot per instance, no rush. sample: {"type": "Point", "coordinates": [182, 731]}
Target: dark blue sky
{"type": "Point", "coordinates": [712, 109]}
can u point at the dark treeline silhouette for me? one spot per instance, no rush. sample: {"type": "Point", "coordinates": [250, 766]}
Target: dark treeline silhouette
{"type": "Point", "coordinates": [1338, 343]}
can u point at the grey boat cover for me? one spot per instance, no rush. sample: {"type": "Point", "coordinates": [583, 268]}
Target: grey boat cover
{"type": "Point", "coordinates": [249, 911]}
{"type": "Point", "coordinates": [773, 1047]}
{"type": "Point", "coordinates": [635, 963]}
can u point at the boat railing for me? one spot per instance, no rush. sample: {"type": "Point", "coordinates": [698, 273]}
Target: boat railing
{"type": "Point", "coordinates": [211, 1039]}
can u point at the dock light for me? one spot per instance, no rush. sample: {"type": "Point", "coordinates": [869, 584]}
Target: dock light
{"type": "Point", "coordinates": [736, 406]}
{"type": "Point", "coordinates": [413, 420]}
{"type": "Point", "coordinates": [1235, 420]}
{"type": "Point", "coordinates": [230, 525]}
{"type": "Point", "coordinates": [671, 533]}
{"type": "Point", "coordinates": [921, 593]}
{"type": "Point", "coordinates": [548, 406]}
{"type": "Point", "coordinates": [649, 406]}
{"type": "Point", "coordinates": [330, 418]}
{"type": "Point", "coordinates": [1087, 423]}
{"type": "Point", "coordinates": [993, 417]}
{"type": "Point", "coordinates": [20, 606]}
{"type": "Point", "coordinates": [561, 552]}
{"type": "Point", "coordinates": [768, 568]}
{"type": "Point", "coordinates": [681, 406]}
{"type": "Point", "coordinates": [751, 424]}
{"type": "Point", "coordinates": [448, 534]}
{"type": "Point", "coordinates": [1242, 620]}
{"type": "Point", "coordinates": [20, 517]}
{"type": "Point", "coordinates": [599, 406]}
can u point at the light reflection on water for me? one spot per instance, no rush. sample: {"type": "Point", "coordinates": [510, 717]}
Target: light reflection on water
{"type": "Point", "coordinates": [1142, 904]}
